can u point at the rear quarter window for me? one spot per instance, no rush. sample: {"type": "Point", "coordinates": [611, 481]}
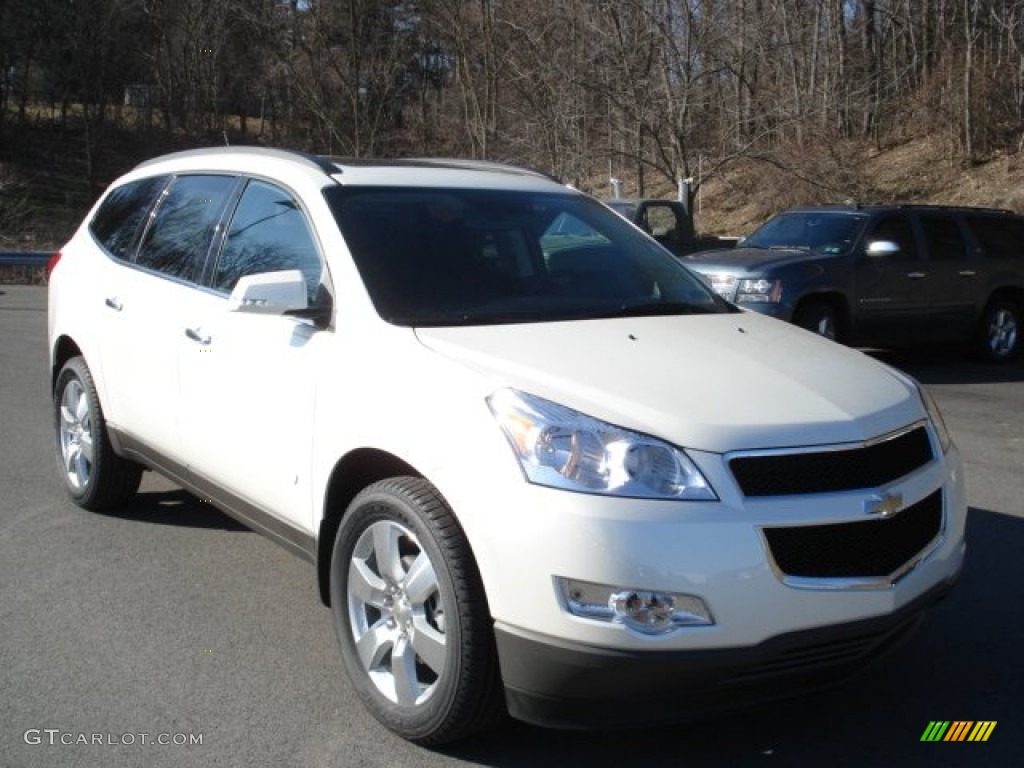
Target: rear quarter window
{"type": "Point", "coordinates": [120, 217]}
{"type": "Point", "coordinates": [1000, 237]}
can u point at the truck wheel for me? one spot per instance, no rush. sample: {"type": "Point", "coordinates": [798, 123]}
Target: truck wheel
{"type": "Point", "coordinates": [819, 317]}
{"type": "Point", "coordinates": [410, 613]}
{"type": "Point", "coordinates": [95, 476]}
{"type": "Point", "coordinates": [998, 338]}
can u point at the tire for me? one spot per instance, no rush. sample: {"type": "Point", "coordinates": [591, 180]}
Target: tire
{"type": "Point", "coordinates": [818, 317]}
{"type": "Point", "coordinates": [998, 338]}
{"type": "Point", "coordinates": [95, 477]}
{"type": "Point", "coordinates": [411, 616]}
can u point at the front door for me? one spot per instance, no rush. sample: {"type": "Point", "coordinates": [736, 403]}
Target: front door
{"type": "Point", "coordinates": [248, 381]}
{"type": "Point", "coordinates": [890, 291]}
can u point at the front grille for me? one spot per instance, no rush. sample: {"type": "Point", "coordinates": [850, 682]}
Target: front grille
{"type": "Point", "coordinates": [864, 549]}
{"type": "Point", "coordinates": [871, 466]}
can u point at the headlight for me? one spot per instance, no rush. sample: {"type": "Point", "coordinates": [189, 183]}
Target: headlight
{"type": "Point", "coordinates": [936, 417]}
{"type": "Point", "coordinates": [561, 448]}
{"type": "Point", "coordinates": [723, 285]}
{"type": "Point", "coordinates": [759, 291]}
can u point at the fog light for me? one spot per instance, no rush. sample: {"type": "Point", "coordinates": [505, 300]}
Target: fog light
{"type": "Point", "coordinates": [644, 611]}
{"type": "Point", "coordinates": [647, 611]}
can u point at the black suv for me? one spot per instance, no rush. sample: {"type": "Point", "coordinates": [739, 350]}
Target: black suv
{"type": "Point", "coordinates": [883, 275]}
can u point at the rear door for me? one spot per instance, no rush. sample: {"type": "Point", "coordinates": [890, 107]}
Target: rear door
{"type": "Point", "coordinates": [144, 305]}
{"type": "Point", "coordinates": [956, 278]}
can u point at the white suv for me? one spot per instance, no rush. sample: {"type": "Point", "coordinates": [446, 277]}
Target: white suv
{"type": "Point", "coordinates": [538, 466]}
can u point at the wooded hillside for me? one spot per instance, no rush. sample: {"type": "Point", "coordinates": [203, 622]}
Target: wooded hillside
{"type": "Point", "coordinates": [798, 92]}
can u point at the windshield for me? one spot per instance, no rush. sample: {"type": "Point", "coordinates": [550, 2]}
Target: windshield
{"type": "Point", "coordinates": [432, 256]}
{"type": "Point", "coordinates": [824, 232]}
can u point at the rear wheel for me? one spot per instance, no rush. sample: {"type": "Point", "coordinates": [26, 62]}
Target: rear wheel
{"type": "Point", "coordinates": [410, 613]}
{"type": "Point", "coordinates": [998, 338]}
{"type": "Point", "coordinates": [95, 476]}
{"type": "Point", "coordinates": [819, 317]}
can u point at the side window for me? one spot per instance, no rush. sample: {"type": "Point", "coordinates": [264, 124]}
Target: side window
{"type": "Point", "coordinates": [268, 233]}
{"type": "Point", "coordinates": [178, 240]}
{"type": "Point", "coordinates": [999, 237]}
{"type": "Point", "coordinates": [896, 229]}
{"type": "Point", "coordinates": [660, 220]}
{"type": "Point", "coordinates": [943, 238]}
{"type": "Point", "coordinates": [117, 222]}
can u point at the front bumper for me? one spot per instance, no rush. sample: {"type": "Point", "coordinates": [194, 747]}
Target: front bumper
{"type": "Point", "coordinates": [562, 684]}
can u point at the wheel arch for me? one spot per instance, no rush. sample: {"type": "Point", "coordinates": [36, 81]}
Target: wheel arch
{"type": "Point", "coordinates": [835, 299]}
{"type": "Point", "coordinates": [64, 349]}
{"type": "Point", "coordinates": [353, 472]}
{"type": "Point", "coordinates": [1012, 293]}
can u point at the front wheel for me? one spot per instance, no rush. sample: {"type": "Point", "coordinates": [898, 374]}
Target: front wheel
{"type": "Point", "coordinates": [94, 476]}
{"type": "Point", "coordinates": [998, 338]}
{"type": "Point", "coordinates": [410, 613]}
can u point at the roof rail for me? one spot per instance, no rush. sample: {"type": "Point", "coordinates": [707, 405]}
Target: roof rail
{"type": "Point", "coordinates": [860, 206]}
{"type": "Point", "coordinates": [483, 165]}
{"type": "Point", "coordinates": [331, 165]}
{"type": "Point", "coordinates": [317, 161]}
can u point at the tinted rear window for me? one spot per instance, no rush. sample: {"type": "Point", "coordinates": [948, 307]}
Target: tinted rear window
{"type": "Point", "coordinates": [944, 239]}
{"type": "Point", "coordinates": [999, 236]}
{"type": "Point", "coordinates": [117, 222]}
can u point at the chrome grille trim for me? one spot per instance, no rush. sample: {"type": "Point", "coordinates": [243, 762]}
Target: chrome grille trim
{"type": "Point", "coordinates": [885, 581]}
{"type": "Point", "coordinates": [818, 469]}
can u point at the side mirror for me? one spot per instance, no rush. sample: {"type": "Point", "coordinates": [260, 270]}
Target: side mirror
{"type": "Point", "coordinates": [882, 248]}
{"type": "Point", "coordinates": [269, 293]}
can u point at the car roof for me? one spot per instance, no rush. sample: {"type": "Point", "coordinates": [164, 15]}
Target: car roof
{"type": "Point", "coordinates": [422, 171]}
{"type": "Point", "coordinates": [636, 200]}
{"type": "Point", "coordinates": [889, 207]}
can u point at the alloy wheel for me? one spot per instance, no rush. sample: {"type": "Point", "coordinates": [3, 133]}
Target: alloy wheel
{"type": "Point", "coordinates": [396, 613]}
{"type": "Point", "coordinates": [76, 435]}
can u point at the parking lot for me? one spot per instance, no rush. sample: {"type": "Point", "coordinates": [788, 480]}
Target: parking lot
{"type": "Point", "coordinates": [169, 620]}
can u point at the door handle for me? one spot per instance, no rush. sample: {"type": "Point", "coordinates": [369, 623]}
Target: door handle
{"type": "Point", "coordinates": [114, 303]}
{"type": "Point", "coordinates": [196, 334]}
{"type": "Point", "coordinates": [968, 273]}
{"type": "Point", "coordinates": [917, 275]}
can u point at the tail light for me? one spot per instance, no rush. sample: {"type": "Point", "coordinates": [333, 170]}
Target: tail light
{"type": "Point", "coordinates": [52, 263]}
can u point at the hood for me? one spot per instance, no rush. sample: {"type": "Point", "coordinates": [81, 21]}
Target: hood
{"type": "Point", "coordinates": [752, 260]}
{"type": "Point", "coordinates": [715, 383]}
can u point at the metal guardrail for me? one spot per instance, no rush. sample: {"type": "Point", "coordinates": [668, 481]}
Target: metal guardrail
{"type": "Point", "coordinates": [24, 258]}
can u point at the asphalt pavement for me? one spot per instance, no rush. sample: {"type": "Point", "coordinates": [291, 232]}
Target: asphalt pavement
{"type": "Point", "coordinates": [168, 622]}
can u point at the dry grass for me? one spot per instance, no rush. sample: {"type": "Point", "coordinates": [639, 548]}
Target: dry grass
{"type": "Point", "coordinates": [917, 171]}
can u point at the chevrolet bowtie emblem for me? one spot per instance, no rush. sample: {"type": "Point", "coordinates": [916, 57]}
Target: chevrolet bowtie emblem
{"type": "Point", "coordinates": [884, 504]}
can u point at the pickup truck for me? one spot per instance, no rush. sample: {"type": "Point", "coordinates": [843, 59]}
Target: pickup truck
{"type": "Point", "coordinates": [883, 275]}
{"type": "Point", "coordinates": [669, 222]}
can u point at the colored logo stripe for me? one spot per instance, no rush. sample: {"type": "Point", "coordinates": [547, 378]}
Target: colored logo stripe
{"type": "Point", "coordinates": [982, 730]}
{"type": "Point", "coordinates": [958, 730]}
